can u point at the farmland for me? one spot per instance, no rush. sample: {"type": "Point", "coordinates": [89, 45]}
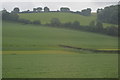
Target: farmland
{"type": "Point", "coordinates": [18, 36]}
{"type": "Point", "coordinates": [39, 64]}
{"type": "Point", "coordinates": [63, 17]}
{"type": "Point", "coordinates": [32, 51]}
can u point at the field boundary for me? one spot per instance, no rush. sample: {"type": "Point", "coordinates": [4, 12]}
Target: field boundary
{"type": "Point", "coordinates": [93, 50]}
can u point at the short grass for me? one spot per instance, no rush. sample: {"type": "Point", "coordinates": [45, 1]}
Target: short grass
{"type": "Point", "coordinates": [29, 37]}
{"type": "Point", "coordinates": [36, 64]}
{"type": "Point", "coordinates": [31, 51]}
{"type": "Point", "coordinates": [63, 17]}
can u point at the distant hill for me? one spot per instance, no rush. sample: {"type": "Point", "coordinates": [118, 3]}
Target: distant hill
{"type": "Point", "coordinates": [62, 16]}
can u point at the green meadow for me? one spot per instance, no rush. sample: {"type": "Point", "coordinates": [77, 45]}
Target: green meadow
{"type": "Point", "coordinates": [33, 51]}
{"type": "Point", "coordinates": [18, 36]}
{"type": "Point", "coordinates": [63, 17]}
{"type": "Point", "coordinates": [59, 65]}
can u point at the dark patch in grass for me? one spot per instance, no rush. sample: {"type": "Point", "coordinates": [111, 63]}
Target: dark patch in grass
{"type": "Point", "coordinates": [13, 54]}
{"type": "Point", "coordinates": [19, 68]}
{"type": "Point", "coordinates": [93, 50]}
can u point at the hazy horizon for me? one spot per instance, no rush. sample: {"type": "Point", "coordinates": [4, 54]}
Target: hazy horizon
{"type": "Point", "coordinates": [54, 6]}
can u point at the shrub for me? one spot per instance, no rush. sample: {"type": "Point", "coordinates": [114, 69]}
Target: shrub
{"type": "Point", "coordinates": [25, 21]}
{"type": "Point", "coordinates": [68, 24]}
{"type": "Point", "coordinates": [36, 22]}
{"type": "Point", "coordinates": [55, 22]}
{"type": "Point", "coordinates": [76, 24]}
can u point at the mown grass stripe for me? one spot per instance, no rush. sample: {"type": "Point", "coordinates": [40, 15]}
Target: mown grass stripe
{"type": "Point", "coordinates": [107, 49]}
{"type": "Point", "coordinates": [39, 52]}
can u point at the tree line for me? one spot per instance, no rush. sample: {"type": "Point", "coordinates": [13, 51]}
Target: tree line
{"type": "Point", "coordinates": [109, 14]}
{"type": "Point", "coordinates": [15, 17]}
{"type": "Point", "coordinates": [94, 26]}
{"type": "Point", "coordinates": [84, 12]}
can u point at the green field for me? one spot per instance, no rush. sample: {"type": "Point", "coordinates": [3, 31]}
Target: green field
{"type": "Point", "coordinates": [31, 51]}
{"type": "Point", "coordinates": [63, 17]}
{"type": "Point", "coordinates": [75, 65]}
{"type": "Point", "coordinates": [29, 37]}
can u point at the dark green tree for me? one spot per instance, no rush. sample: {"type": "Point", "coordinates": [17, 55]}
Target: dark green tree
{"type": "Point", "coordinates": [86, 12]}
{"type": "Point", "coordinates": [9, 16]}
{"type": "Point", "coordinates": [34, 9]}
{"type": "Point", "coordinates": [46, 9]}
{"type": "Point", "coordinates": [99, 10]}
{"type": "Point", "coordinates": [16, 10]}
{"type": "Point", "coordinates": [64, 9]}
{"type": "Point", "coordinates": [39, 9]}
{"type": "Point", "coordinates": [109, 14]}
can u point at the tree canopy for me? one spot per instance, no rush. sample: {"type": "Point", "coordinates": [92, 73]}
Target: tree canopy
{"type": "Point", "coordinates": [109, 14]}
{"type": "Point", "coordinates": [46, 9]}
{"type": "Point", "coordinates": [16, 10]}
{"type": "Point", "coordinates": [64, 9]}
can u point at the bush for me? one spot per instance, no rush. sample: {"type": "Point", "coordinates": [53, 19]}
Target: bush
{"type": "Point", "coordinates": [99, 26]}
{"type": "Point", "coordinates": [76, 24]}
{"type": "Point", "coordinates": [25, 21]}
{"type": "Point", "coordinates": [112, 31]}
{"type": "Point", "coordinates": [55, 22]}
{"type": "Point", "coordinates": [68, 24]}
{"type": "Point", "coordinates": [36, 22]}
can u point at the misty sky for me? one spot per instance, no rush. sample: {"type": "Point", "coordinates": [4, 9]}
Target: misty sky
{"type": "Point", "coordinates": [55, 5]}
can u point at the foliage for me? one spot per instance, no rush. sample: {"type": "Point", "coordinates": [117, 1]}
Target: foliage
{"type": "Point", "coordinates": [63, 17]}
{"type": "Point", "coordinates": [36, 22]}
{"type": "Point", "coordinates": [86, 12]}
{"type": "Point", "coordinates": [39, 9]}
{"type": "Point", "coordinates": [93, 27]}
{"type": "Point", "coordinates": [99, 26]}
{"type": "Point", "coordinates": [55, 22]}
{"type": "Point", "coordinates": [9, 16]}
{"type": "Point", "coordinates": [46, 9]}
{"type": "Point", "coordinates": [25, 21]}
{"type": "Point", "coordinates": [112, 31]}
{"type": "Point", "coordinates": [64, 9]}
{"type": "Point", "coordinates": [16, 10]}
{"type": "Point", "coordinates": [99, 10]}
{"type": "Point", "coordinates": [109, 14]}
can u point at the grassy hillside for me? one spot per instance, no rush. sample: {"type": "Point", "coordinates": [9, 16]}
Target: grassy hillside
{"type": "Point", "coordinates": [18, 36]}
{"type": "Point", "coordinates": [63, 17]}
{"type": "Point", "coordinates": [31, 51]}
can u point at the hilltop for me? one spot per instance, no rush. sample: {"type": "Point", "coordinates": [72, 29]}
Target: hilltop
{"type": "Point", "coordinates": [45, 17]}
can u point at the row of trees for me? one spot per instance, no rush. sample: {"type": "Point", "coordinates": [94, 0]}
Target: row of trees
{"type": "Point", "coordinates": [96, 27]}
{"type": "Point", "coordinates": [64, 9]}
{"type": "Point", "coordinates": [109, 14]}
{"type": "Point", "coordinates": [38, 9]}
{"type": "Point", "coordinates": [9, 16]}
{"type": "Point", "coordinates": [85, 12]}
{"type": "Point", "coordinates": [15, 17]}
